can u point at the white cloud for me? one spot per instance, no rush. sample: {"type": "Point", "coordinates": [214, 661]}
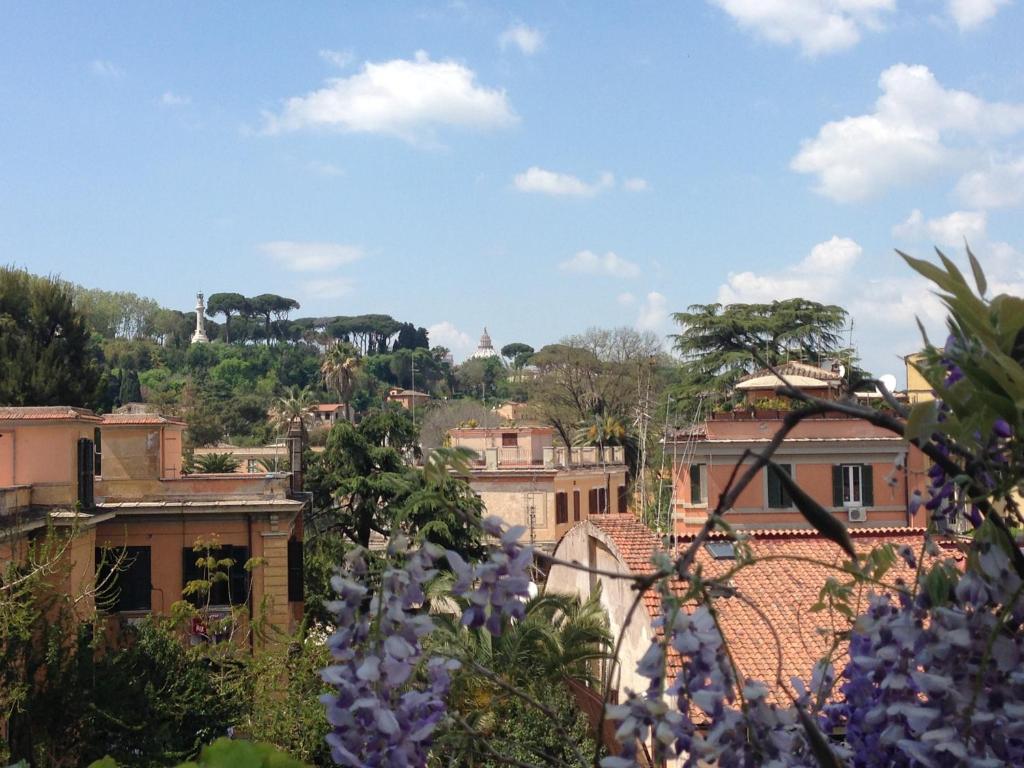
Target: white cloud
{"type": "Point", "coordinates": [171, 99]}
{"type": "Point", "coordinates": [311, 256]}
{"type": "Point", "coordinates": [949, 230]}
{"type": "Point", "coordinates": [817, 276]}
{"type": "Point", "coordinates": [970, 13]}
{"type": "Point", "coordinates": [328, 287]}
{"type": "Point", "coordinates": [653, 314]}
{"type": "Point", "coordinates": [546, 182]}
{"type": "Point", "coordinates": [626, 299]}
{"type": "Point", "coordinates": [590, 263]}
{"type": "Point", "coordinates": [408, 99]}
{"type": "Point", "coordinates": [636, 185]}
{"type": "Point", "coordinates": [445, 334]}
{"type": "Point", "coordinates": [907, 137]}
{"type": "Point", "coordinates": [326, 169]}
{"type": "Point", "coordinates": [527, 39]}
{"type": "Point", "coordinates": [995, 186]}
{"type": "Point", "coordinates": [817, 26]}
{"type": "Point", "coordinates": [102, 68]}
{"type": "Point", "coordinates": [339, 59]}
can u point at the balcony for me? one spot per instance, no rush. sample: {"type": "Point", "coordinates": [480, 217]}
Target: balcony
{"type": "Point", "coordinates": [551, 457]}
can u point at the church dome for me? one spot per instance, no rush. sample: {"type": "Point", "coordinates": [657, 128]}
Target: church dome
{"type": "Point", "coordinates": [485, 348]}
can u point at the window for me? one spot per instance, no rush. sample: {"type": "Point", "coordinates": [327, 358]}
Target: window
{"type": "Point", "coordinates": [296, 558]}
{"type": "Point", "coordinates": [98, 453]}
{"type": "Point", "coordinates": [602, 500]}
{"type": "Point", "coordinates": [623, 500]}
{"type": "Point", "coordinates": [698, 484]}
{"type": "Point", "coordinates": [778, 497]}
{"type": "Point", "coordinates": [592, 501]}
{"type": "Point", "coordinates": [123, 579]}
{"type": "Point", "coordinates": [252, 466]}
{"type": "Point", "coordinates": [509, 440]}
{"type": "Point", "coordinates": [852, 485]}
{"type": "Point", "coordinates": [576, 505]}
{"type": "Point", "coordinates": [230, 591]}
{"type": "Point", "coordinates": [561, 508]}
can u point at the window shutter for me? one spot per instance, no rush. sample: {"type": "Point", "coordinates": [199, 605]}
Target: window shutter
{"type": "Point", "coordinates": [592, 501]}
{"type": "Point", "coordinates": [695, 494]}
{"type": "Point", "coordinates": [576, 505]}
{"type": "Point", "coordinates": [867, 482]}
{"type": "Point", "coordinates": [774, 488]}
{"type": "Point", "coordinates": [238, 577]}
{"type": "Point", "coordinates": [296, 556]}
{"type": "Point", "coordinates": [837, 486]}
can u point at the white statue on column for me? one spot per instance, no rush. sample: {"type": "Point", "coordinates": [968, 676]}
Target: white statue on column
{"type": "Point", "coordinates": [199, 336]}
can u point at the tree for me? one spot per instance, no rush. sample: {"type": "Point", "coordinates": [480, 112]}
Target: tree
{"type": "Point", "coordinates": [338, 371]}
{"type": "Point", "coordinates": [226, 304]}
{"type": "Point", "coordinates": [215, 463]}
{"type": "Point", "coordinates": [270, 304]}
{"type": "Point", "coordinates": [130, 390]}
{"type": "Point", "coordinates": [517, 354]}
{"type": "Point", "coordinates": [295, 405]}
{"type": "Point", "coordinates": [46, 356]}
{"type": "Point", "coordinates": [719, 344]}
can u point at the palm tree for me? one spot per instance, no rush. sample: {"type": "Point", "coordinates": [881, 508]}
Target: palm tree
{"type": "Point", "coordinates": [295, 405]}
{"type": "Point", "coordinates": [338, 370]}
{"type": "Point", "coordinates": [559, 639]}
{"type": "Point", "coordinates": [215, 463]}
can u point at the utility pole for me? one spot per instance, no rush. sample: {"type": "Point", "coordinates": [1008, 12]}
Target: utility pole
{"type": "Point", "coordinates": [412, 404]}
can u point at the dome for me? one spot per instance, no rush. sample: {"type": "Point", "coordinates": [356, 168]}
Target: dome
{"type": "Point", "coordinates": [485, 348]}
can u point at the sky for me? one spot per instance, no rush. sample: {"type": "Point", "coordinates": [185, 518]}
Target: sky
{"type": "Point", "coordinates": [538, 168]}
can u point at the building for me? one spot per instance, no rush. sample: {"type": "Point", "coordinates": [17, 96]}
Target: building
{"type": "Point", "coordinates": [326, 414]}
{"type": "Point", "coordinates": [860, 472]}
{"type": "Point", "coordinates": [115, 484]}
{"type": "Point", "coordinates": [485, 348]}
{"type": "Point", "coordinates": [408, 398]}
{"type": "Point", "coordinates": [765, 616]}
{"type": "Point", "coordinates": [199, 334]}
{"type": "Point", "coordinates": [522, 477]}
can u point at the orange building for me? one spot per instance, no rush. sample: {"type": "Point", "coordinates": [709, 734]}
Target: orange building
{"type": "Point", "coordinates": [521, 476]}
{"type": "Point", "coordinates": [115, 483]}
{"type": "Point", "coordinates": [859, 472]}
{"type": "Point", "coordinates": [408, 398]}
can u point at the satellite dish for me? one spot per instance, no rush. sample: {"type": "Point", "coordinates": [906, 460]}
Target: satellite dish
{"type": "Point", "coordinates": [841, 371]}
{"type": "Point", "coordinates": [888, 381]}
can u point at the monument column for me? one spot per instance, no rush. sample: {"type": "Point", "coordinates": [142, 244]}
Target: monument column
{"type": "Point", "coordinates": [199, 336]}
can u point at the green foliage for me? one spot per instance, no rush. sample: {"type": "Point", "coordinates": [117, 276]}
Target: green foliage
{"type": "Point", "coordinates": [214, 463]}
{"type": "Point", "coordinates": [46, 354]}
{"type": "Point", "coordinates": [718, 343]}
{"type": "Point", "coordinates": [362, 484]}
{"type": "Point", "coordinates": [517, 354]}
{"type": "Point", "coordinates": [229, 753]}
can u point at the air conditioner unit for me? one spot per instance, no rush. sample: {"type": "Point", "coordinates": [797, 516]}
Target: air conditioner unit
{"type": "Point", "coordinates": [857, 514]}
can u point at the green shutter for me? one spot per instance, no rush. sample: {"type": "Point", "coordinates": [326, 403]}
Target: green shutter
{"type": "Point", "coordinates": [777, 496]}
{"type": "Point", "coordinates": [774, 488]}
{"type": "Point", "coordinates": [837, 486]}
{"type": "Point", "coordinates": [695, 495]}
{"type": "Point", "coordinates": [867, 483]}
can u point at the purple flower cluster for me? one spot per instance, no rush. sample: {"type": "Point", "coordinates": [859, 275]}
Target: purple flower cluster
{"type": "Point", "coordinates": [497, 587]}
{"type": "Point", "coordinates": [706, 726]}
{"type": "Point", "coordinates": [937, 683]}
{"type": "Point", "coordinates": [378, 716]}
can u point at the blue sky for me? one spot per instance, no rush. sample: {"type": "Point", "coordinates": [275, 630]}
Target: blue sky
{"type": "Point", "coordinates": [535, 167]}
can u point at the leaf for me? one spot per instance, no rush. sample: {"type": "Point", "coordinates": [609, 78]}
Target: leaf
{"type": "Point", "coordinates": [932, 272]}
{"type": "Point", "coordinates": [103, 762]}
{"type": "Point", "coordinates": [819, 744]}
{"type": "Point", "coordinates": [823, 521]}
{"type": "Point", "coordinates": [979, 274]}
{"type": "Point", "coordinates": [923, 419]}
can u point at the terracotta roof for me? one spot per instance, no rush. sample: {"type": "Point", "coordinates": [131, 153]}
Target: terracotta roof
{"type": "Point", "coordinates": [46, 413]}
{"type": "Point", "coordinates": [768, 624]}
{"type": "Point", "coordinates": [407, 393]}
{"type": "Point", "coordinates": [329, 407]}
{"type": "Point", "coordinates": [141, 419]}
